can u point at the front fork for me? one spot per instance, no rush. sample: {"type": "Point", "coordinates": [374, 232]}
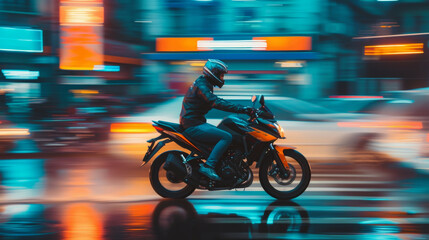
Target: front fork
{"type": "Point", "coordinates": [280, 159]}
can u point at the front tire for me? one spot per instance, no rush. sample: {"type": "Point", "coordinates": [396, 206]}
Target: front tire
{"type": "Point", "coordinates": [161, 182]}
{"type": "Point", "coordinates": [285, 188]}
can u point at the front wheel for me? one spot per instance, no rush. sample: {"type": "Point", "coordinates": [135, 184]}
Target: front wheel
{"type": "Point", "coordinates": [285, 187]}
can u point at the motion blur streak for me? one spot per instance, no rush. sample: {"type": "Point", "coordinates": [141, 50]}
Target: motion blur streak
{"type": "Point", "coordinates": [82, 222]}
{"type": "Point", "coordinates": [131, 128]}
{"type": "Point", "coordinates": [14, 132]}
{"type": "Point", "coordinates": [401, 125]}
{"type": "Point", "coordinates": [137, 214]}
{"type": "Point", "coordinates": [343, 96]}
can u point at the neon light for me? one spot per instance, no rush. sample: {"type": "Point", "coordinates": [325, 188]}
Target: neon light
{"type": "Point", "coordinates": [132, 128]}
{"type": "Point", "coordinates": [349, 96]}
{"type": "Point", "coordinates": [204, 45]}
{"type": "Point", "coordinates": [20, 74]}
{"type": "Point", "coordinates": [21, 40]}
{"type": "Point", "coordinates": [394, 49]}
{"type": "Point", "coordinates": [107, 68]}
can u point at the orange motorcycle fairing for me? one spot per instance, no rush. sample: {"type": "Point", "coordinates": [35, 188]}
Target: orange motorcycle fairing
{"type": "Point", "coordinates": [280, 151]}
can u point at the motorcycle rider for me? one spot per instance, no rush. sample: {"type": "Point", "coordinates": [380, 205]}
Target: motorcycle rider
{"type": "Point", "coordinates": [200, 99]}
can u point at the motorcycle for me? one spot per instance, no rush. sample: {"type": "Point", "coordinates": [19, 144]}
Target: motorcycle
{"type": "Point", "coordinates": [284, 173]}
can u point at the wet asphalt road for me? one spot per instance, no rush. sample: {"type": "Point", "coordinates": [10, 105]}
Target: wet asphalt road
{"type": "Point", "coordinates": [97, 196]}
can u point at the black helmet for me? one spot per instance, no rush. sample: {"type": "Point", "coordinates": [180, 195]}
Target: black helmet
{"type": "Point", "coordinates": [213, 69]}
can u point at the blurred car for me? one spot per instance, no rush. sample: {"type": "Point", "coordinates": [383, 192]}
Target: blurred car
{"type": "Point", "coordinates": [66, 133]}
{"type": "Point", "coordinates": [406, 127]}
{"type": "Point", "coordinates": [9, 134]}
{"type": "Point", "coordinates": [313, 129]}
{"type": "Point", "coordinates": [353, 104]}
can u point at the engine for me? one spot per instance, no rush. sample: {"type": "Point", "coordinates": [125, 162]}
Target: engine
{"type": "Point", "coordinates": [231, 167]}
{"type": "Point", "coordinates": [227, 173]}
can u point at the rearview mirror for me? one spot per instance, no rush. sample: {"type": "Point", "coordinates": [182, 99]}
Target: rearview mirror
{"type": "Point", "coordinates": [253, 98]}
{"type": "Point", "coordinates": [262, 100]}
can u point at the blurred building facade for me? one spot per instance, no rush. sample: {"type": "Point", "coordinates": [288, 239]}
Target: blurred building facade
{"type": "Point", "coordinates": [322, 70]}
{"type": "Point", "coordinates": [25, 48]}
{"type": "Point", "coordinates": [37, 75]}
{"type": "Point", "coordinates": [133, 64]}
{"type": "Point", "coordinates": [394, 53]}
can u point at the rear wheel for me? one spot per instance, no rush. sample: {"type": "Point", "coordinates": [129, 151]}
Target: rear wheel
{"type": "Point", "coordinates": [165, 182]}
{"type": "Point", "coordinates": [285, 187]}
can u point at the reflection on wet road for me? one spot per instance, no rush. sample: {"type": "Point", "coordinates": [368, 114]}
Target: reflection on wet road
{"type": "Point", "coordinates": [100, 197]}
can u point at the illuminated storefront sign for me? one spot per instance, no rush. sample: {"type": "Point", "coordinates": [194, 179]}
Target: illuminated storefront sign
{"type": "Point", "coordinates": [211, 45]}
{"type": "Point", "coordinates": [394, 49]}
{"type": "Point", "coordinates": [81, 41]}
{"type": "Point", "coordinates": [290, 43]}
{"type": "Point", "coordinates": [21, 40]}
{"type": "Point", "coordinates": [20, 74]}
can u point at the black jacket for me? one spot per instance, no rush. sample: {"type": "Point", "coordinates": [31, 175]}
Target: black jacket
{"type": "Point", "coordinates": [199, 100]}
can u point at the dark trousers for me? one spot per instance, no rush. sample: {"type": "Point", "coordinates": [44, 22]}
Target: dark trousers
{"type": "Point", "coordinates": [209, 134]}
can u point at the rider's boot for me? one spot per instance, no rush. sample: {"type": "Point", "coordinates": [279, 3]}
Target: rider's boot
{"type": "Point", "coordinates": [209, 171]}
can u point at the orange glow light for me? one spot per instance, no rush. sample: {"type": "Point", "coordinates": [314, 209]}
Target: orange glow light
{"type": "Point", "coordinates": [81, 47]}
{"type": "Point", "coordinates": [179, 44]}
{"type": "Point", "coordinates": [294, 43]}
{"type": "Point", "coordinates": [139, 216]}
{"type": "Point", "coordinates": [84, 91]}
{"type": "Point", "coordinates": [132, 128]}
{"type": "Point", "coordinates": [81, 34]}
{"type": "Point", "coordinates": [81, 15]}
{"type": "Point", "coordinates": [286, 43]}
{"type": "Point", "coordinates": [397, 124]}
{"type": "Point", "coordinates": [82, 222]}
{"type": "Point", "coordinates": [394, 49]}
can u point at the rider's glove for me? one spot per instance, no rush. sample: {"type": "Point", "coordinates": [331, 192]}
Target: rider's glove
{"type": "Point", "coordinates": [248, 110]}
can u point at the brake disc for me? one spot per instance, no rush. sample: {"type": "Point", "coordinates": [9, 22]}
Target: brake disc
{"type": "Point", "coordinates": [285, 181]}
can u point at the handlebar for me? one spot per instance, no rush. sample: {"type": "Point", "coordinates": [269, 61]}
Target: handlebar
{"type": "Point", "coordinates": [256, 113]}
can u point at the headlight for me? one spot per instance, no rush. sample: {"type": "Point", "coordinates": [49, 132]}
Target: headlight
{"type": "Point", "coordinates": [280, 129]}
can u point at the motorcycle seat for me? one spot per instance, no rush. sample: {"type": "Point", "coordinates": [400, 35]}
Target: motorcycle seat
{"type": "Point", "coordinates": [174, 126]}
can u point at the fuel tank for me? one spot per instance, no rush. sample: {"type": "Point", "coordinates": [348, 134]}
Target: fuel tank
{"type": "Point", "coordinates": [236, 126]}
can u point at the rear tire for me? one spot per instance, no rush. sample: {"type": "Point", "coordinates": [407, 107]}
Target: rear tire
{"type": "Point", "coordinates": [294, 159]}
{"type": "Point", "coordinates": [156, 175]}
